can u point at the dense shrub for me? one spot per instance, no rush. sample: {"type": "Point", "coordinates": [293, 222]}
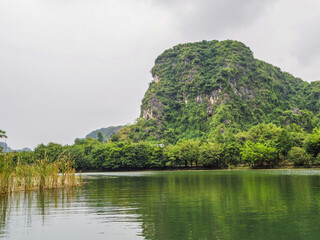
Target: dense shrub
{"type": "Point", "coordinates": [299, 156]}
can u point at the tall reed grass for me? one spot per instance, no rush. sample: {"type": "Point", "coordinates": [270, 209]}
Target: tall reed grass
{"type": "Point", "coordinates": [42, 174]}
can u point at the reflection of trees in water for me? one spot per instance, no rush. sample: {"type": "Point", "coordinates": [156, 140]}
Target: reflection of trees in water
{"type": "Point", "coordinates": [4, 213]}
{"type": "Point", "coordinates": [7, 203]}
{"type": "Point", "coordinates": [223, 205]}
{"type": "Point", "coordinates": [188, 205]}
{"type": "Point", "coordinates": [33, 203]}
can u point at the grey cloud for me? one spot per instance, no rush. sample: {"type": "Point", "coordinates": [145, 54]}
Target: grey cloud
{"type": "Point", "coordinates": [307, 48]}
{"type": "Point", "coordinates": [212, 18]}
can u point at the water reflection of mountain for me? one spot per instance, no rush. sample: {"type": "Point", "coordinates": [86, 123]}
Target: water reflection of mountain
{"type": "Point", "coordinates": [181, 205]}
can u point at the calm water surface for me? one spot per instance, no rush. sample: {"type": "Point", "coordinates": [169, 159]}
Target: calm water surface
{"type": "Point", "coordinates": [274, 204]}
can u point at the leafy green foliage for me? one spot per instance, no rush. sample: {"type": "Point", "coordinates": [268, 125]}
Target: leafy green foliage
{"type": "Point", "coordinates": [3, 134]}
{"type": "Point", "coordinates": [299, 156]}
{"type": "Point", "coordinates": [171, 156]}
{"type": "Point", "coordinates": [200, 86]}
{"type": "Point", "coordinates": [51, 151]}
{"type": "Point", "coordinates": [210, 155]}
{"type": "Point", "coordinates": [312, 143]}
{"type": "Point", "coordinates": [284, 142]}
{"type": "Point", "coordinates": [189, 152]}
{"type": "Point", "coordinates": [106, 132]}
{"type": "Point", "coordinates": [259, 154]}
{"type": "Point", "coordinates": [100, 137]}
{"type": "Point", "coordinates": [262, 146]}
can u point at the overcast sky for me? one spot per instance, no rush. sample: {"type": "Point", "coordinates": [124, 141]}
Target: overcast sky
{"type": "Point", "coordinates": [68, 67]}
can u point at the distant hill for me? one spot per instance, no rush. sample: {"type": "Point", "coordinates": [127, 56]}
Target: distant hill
{"type": "Point", "coordinates": [106, 132]}
{"type": "Point", "coordinates": [6, 148]}
{"type": "Point", "coordinates": [198, 87]}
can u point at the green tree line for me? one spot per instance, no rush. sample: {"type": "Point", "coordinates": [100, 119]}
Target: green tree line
{"type": "Point", "coordinates": [262, 146]}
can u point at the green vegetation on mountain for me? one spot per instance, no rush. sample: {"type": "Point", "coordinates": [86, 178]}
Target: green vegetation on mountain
{"type": "Point", "coordinates": [2, 134]}
{"type": "Point", "coordinates": [200, 86]}
{"type": "Point", "coordinates": [5, 148]}
{"type": "Point", "coordinates": [106, 133]}
{"type": "Point", "coordinates": [212, 105]}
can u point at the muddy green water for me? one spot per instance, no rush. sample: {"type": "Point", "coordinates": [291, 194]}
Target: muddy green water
{"type": "Point", "coordinates": [274, 204]}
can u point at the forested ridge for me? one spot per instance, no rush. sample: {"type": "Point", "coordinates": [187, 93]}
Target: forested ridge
{"type": "Point", "coordinates": [105, 133]}
{"type": "Point", "coordinates": [211, 104]}
{"type": "Point", "coordinates": [200, 86]}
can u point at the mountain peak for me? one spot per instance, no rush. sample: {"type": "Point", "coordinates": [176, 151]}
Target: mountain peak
{"type": "Point", "coordinates": [200, 86]}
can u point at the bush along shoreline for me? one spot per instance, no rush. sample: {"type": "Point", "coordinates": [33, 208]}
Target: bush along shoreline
{"type": "Point", "coordinates": [262, 146]}
{"type": "Point", "coordinates": [38, 175]}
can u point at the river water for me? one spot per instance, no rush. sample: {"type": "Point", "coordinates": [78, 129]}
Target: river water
{"type": "Point", "coordinates": [173, 205]}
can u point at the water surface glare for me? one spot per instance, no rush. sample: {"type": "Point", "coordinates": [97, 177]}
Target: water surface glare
{"type": "Point", "coordinates": [238, 204]}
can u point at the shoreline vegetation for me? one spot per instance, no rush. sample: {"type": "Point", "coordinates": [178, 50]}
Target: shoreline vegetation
{"type": "Point", "coordinates": [264, 146]}
{"type": "Point", "coordinates": [286, 166]}
{"type": "Point", "coordinates": [39, 175]}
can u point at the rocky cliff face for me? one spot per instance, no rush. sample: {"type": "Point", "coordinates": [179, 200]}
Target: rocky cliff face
{"type": "Point", "coordinates": [199, 86]}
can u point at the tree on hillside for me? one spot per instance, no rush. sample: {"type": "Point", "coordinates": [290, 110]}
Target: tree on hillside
{"type": "Point", "coordinates": [299, 156]}
{"type": "Point", "coordinates": [210, 155]}
{"type": "Point", "coordinates": [100, 137]}
{"type": "Point", "coordinates": [189, 152]}
{"type": "Point", "coordinates": [284, 142]}
{"type": "Point", "coordinates": [312, 143]}
{"type": "Point", "coordinates": [52, 151]}
{"type": "Point", "coordinates": [259, 154]}
{"type": "Point", "coordinates": [3, 134]}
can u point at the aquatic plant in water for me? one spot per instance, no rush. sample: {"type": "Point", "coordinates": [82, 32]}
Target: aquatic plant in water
{"type": "Point", "coordinates": [42, 174]}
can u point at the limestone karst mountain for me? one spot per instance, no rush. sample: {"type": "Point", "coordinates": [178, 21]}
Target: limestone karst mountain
{"type": "Point", "coordinates": [198, 87]}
